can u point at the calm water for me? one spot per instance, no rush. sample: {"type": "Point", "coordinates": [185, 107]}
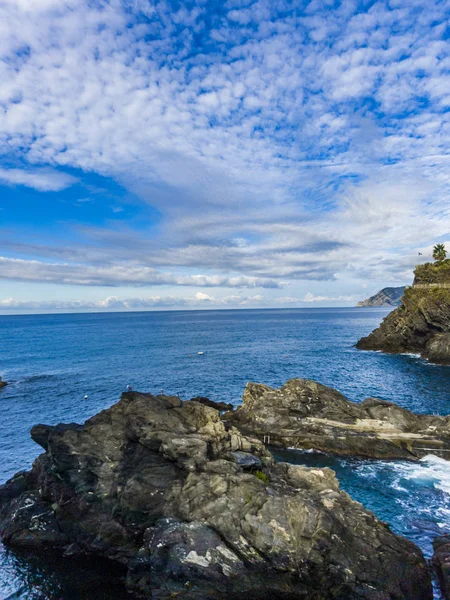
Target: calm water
{"type": "Point", "coordinates": [53, 361]}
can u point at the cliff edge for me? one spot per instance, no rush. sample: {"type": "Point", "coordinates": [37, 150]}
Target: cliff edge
{"type": "Point", "coordinates": [421, 324]}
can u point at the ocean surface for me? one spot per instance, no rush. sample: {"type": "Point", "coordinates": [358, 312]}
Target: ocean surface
{"type": "Point", "coordinates": [53, 361]}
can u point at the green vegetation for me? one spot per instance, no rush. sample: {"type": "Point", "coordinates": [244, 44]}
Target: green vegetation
{"type": "Point", "coordinates": [439, 252]}
{"type": "Point", "coordinates": [262, 477]}
{"type": "Point", "coordinates": [418, 300]}
{"type": "Point", "coordinates": [438, 272]}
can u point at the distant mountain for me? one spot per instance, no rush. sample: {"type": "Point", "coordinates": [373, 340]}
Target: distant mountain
{"type": "Point", "coordinates": [390, 296]}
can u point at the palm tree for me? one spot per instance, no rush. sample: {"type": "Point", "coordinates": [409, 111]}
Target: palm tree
{"type": "Point", "coordinates": [439, 252]}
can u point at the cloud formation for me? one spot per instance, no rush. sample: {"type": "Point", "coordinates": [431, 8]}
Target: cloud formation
{"type": "Point", "coordinates": [113, 303]}
{"type": "Point", "coordinates": [197, 301]}
{"type": "Point", "coordinates": [311, 298]}
{"type": "Point", "coordinates": [32, 270]}
{"type": "Point", "coordinates": [278, 142]}
{"type": "Point", "coordinates": [44, 180]}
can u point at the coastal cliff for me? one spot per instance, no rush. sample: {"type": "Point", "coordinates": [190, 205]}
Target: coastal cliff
{"type": "Point", "coordinates": [390, 296]}
{"type": "Point", "coordinates": [195, 509]}
{"type": "Point", "coordinates": [421, 324]}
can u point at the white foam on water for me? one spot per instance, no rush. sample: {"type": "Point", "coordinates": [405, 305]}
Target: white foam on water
{"type": "Point", "coordinates": [430, 469]}
{"type": "Point", "coordinates": [399, 488]}
{"type": "Point", "coordinates": [305, 451]}
{"type": "Point", "coordinates": [409, 480]}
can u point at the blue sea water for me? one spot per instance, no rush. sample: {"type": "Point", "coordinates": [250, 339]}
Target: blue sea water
{"type": "Point", "coordinates": [53, 361]}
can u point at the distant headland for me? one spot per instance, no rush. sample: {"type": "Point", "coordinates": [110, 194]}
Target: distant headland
{"type": "Point", "coordinates": [389, 296]}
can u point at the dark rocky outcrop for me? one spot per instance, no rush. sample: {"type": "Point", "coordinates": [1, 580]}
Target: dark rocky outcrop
{"type": "Point", "coordinates": [421, 324]}
{"type": "Point", "coordinates": [168, 490]}
{"type": "Point", "coordinates": [441, 563]}
{"type": "Point", "coordinates": [221, 406]}
{"type": "Point", "coordinates": [390, 296]}
{"type": "Point", "coordinates": [2, 383]}
{"type": "Point", "coordinates": [305, 414]}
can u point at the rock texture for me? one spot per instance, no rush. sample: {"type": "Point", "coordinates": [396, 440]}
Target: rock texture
{"type": "Point", "coordinates": [441, 563]}
{"type": "Point", "coordinates": [196, 510]}
{"type": "Point", "coordinates": [390, 296]}
{"type": "Point", "coordinates": [221, 406]}
{"type": "Point", "coordinates": [305, 414]}
{"type": "Point", "coordinates": [421, 324]}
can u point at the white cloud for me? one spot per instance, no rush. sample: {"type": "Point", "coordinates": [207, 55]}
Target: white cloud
{"type": "Point", "coordinates": [203, 296]}
{"type": "Point", "coordinates": [116, 275]}
{"type": "Point", "coordinates": [311, 298]}
{"type": "Point", "coordinates": [114, 303]}
{"type": "Point", "coordinates": [44, 180]}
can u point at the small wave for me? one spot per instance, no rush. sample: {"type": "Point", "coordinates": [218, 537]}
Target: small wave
{"type": "Point", "coordinates": [429, 470]}
{"type": "Point", "coordinates": [399, 488]}
{"type": "Point", "coordinates": [42, 377]}
{"type": "Point", "coordinates": [307, 451]}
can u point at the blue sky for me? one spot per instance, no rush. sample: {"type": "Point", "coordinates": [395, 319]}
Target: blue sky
{"type": "Point", "coordinates": [219, 154]}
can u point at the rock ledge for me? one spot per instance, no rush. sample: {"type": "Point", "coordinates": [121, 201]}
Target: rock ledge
{"type": "Point", "coordinates": [307, 415]}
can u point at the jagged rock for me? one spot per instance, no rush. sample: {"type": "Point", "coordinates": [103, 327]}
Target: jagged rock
{"type": "Point", "coordinates": [421, 324]}
{"type": "Point", "coordinates": [220, 406]}
{"type": "Point", "coordinates": [441, 563]}
{"type": "Point", "coordinates": [161, 486]}
{"type": "Point", "coordinates": [437, 349]}
{"type": "Point", "coordinates": [305, 414]}
{"type": "Point", "coordinates": [390, 296]}
{"type": "Point", "coordinates": [247, 460]}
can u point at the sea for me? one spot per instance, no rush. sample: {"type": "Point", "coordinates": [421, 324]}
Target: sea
{"type": "Point", "coordinates": [67, 367]}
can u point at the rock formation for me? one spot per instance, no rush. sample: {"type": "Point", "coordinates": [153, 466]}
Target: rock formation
{"type": "Point", "coordinates": [390, 296]}
{"type": "Point", "coordinates": [2, 383]}
{"type": "Point", "coordinates": [441, 563]}
{"type": "Point", "coordinates": [221, 406]}
{"type": "Point", "coordinates": [421, 324]}
{"type": "Point", "coordinates": [196, 510]}
{"type": "Point", "coordinates": [305, 414]}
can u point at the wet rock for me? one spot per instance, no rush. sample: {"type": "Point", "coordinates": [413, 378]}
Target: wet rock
{"type": "Point", "coordinates": [441, 563]}
{"type": "Point", "coordinates": [437, 349]}
{"type": "Point", "coordinates": [163, 487]}
{"type": "Point", "coordinates": [3, 383]}
{"type": "Point", "coordinates": [305, 414]}
{"type": "Point", "coordinates": [32, 523]}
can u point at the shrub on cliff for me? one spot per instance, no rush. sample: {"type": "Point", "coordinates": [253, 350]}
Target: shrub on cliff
{"type": "Point", "coordinates": [438, 272]}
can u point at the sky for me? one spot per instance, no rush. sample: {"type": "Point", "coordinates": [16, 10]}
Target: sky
{"type": "Point", "coordinates": [219, 154]}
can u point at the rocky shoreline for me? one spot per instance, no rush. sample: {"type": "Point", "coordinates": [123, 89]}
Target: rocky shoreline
{"type": "Point", "coordinates": [421, 324]}
{"type": "Point", "coordinates": [194, 506]}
